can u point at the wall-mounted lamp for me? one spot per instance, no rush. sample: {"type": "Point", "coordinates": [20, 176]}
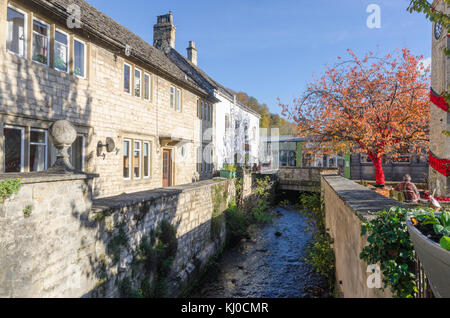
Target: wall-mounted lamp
{"type": "Point", "coordinates": [110, 146]}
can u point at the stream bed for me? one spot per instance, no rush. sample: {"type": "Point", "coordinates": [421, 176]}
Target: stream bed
{"type": "Point", "coordinates": [268, 265]}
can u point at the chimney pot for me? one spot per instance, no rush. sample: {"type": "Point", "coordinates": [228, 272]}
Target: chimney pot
{"type": "Point", "coordinates": [164, 32]}
{"type": "Point", "coordinates": [192, 53]}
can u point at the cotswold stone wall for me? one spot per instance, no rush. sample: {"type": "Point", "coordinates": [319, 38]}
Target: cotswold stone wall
{"type": "Point", "coordinates": [34, 96]}
{"type": "Point", "coordinates": [347, 205]}
{"type": "Point", "coordinates": [71, 246]}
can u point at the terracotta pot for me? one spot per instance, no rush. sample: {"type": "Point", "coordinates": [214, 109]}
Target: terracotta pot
{"type": "Point", "coordinates": [435, 261]}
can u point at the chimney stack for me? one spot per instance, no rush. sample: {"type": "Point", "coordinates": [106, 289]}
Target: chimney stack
{"type": "Point", "coordinates": [192, 53]}
{"type": "Point", "coordinates": [164, 32]}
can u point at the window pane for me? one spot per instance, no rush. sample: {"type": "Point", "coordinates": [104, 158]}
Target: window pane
{"type": "Point", "coordinates": [15, 35]}
{"type": "Point", "coordinates": [172, 97]}
{"type": "Point", "coordinates": [137, 160]}
{"type": "Point", "coordinates": [40, 42]}
{"type": "Point", "coordinates": [76, 153]}
{"type": "Point", "coordinates": [126, 159]}
{"type": "Point", "coordinates": [126, 78]}
{"type": "Point", "coordinates": [147, 87]}
{"type": "Point", "coordinates": [37, 157]}
{"type": "Point", "coordinates": [79, 58]}
{"type": "Point", "coordinates": [37, 136]}
{"type": "Point", "coordinates": [61, 52]}
{"type": "Point", "coordinates": [13, 149]}
{"type": "Point", "coordinates": [137, 83]}
{"type": "Point", "coordinates": [61, 37]}
{"type": "Point", "coordinates": [178, 100]}
{"type": "Point", "coordinates": [146, 160]}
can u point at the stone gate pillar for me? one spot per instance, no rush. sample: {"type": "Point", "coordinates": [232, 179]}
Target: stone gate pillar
{"type": "Point", "coordinates": [440, 119]}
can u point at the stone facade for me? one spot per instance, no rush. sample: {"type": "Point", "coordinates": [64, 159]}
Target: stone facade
{"type": "Point", "coordinates": [34, 96]}
{"type": "Point", "coordinates": [64, 248]}
{"type": "Point", "coordinates": [440, 120]}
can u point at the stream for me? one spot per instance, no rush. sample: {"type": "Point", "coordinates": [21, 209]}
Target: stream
{"type": "Point", "coordinates": [268, 265]}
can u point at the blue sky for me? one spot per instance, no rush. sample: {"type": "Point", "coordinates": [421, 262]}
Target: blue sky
{"type": "Point", "coordinates": [272, 48]}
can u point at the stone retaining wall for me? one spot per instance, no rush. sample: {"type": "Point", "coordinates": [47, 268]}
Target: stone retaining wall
{"type": "Point", "coordinates": [347, 205]}
{"type": "Point", "coordinates": [302, 179]}
{"type": "Point", "coordinates": [70, 246]}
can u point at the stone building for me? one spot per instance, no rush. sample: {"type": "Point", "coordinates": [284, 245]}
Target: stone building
{"type": "Point", "coordinates": [440, 119]}
{"type": "Point", "coordinates": [236, 126]}
{"type": "Point", "coordinates": [110, 84]}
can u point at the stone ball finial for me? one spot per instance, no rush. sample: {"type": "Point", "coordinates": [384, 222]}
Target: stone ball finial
{"type": "Point", "coordinates": [62, 133]}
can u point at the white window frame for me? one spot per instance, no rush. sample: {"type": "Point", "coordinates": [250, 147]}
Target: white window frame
{"type": "Point", "coordinates": [39, 144]}
{"type": "Point", "coordinates": [149, 159]}
{"type": "Point", "coordinates": [140, 82]}
{"type": "Point", "coordinates": [172, 97]}
{"type": "Point", "coordinates": [48, 40]}
{"type": "Point", "coordinates": [68, 50]}
{"type": "Point", "coordinates": [75, 39]}
{"type": "Point", "coordinates": [131, 80]}
{"type": "Point", "coordinates": [22, 147]}
{"type": "Point", "coordinates": [25, 32]}
{"type": "Point", "coordinates": [130, 156]}
{"type": "Point", "coordinates": [149, 87]}
{"type": "Point", "coordinates": [178, 100]}
{"type": "Point", "coordinates": [140, 158]}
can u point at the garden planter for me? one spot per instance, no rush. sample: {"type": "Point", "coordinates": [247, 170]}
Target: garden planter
{"type": "Point", "coordinates": [435, 261]}
{"type": "Point", "coordinates": [227, 174]}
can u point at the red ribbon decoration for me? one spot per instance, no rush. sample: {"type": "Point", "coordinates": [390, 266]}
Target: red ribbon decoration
{"type": "Point", "coordinates": [440, 165]}
{"type": "Point", "coordinates": [439, 101]}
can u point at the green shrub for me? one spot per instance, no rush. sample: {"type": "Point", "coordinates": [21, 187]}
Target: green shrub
{"type": "Point", "coordinates": [157, 253]}
{"type": "Point", "coordinates": [27, 211]}
{"type": "Point", "coordinates": [261, 213]}
{"type": "Point", "coordinates": [9, 187]}
{"type": "Point", "coordinates": [237, 223]}
{"type": "Point", "coordinates": [319, 251]}
{"type": "Point", "coordinates": [320, 255]}
{"type": "Point", "coordinates": [390, 246]}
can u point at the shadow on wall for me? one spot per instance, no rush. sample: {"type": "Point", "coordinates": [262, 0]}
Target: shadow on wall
{"type": "Point", "coordinates": [137, 257]}
{"type": "Point", "coordinates": [35, 95]}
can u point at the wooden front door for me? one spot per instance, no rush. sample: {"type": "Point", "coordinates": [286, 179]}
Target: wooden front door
{"type": "Point", "coordinates": [167, 168]}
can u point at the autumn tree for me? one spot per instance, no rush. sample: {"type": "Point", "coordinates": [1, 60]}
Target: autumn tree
{"type": "Point", "coordinates": [375, 105]}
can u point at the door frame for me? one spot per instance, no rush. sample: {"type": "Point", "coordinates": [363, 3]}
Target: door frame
{"type": "Point", "coordinates": [172, 166]}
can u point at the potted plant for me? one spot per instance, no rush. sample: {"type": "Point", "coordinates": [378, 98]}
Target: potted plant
{"type": "Point", "coordinates": [228, 171]}
{"type": "Point", "coordinates": [430, 235]}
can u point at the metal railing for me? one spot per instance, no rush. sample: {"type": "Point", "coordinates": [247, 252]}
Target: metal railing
{"type": "Point", "coordinates": [423, 286]}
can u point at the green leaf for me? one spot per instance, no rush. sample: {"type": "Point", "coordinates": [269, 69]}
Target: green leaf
{"type": "Point", "coordinates": [445, 243]}
{"type": "Point", "coordinates": [438, 229]}
{"type": "Point", "coordinates": [445, 219]}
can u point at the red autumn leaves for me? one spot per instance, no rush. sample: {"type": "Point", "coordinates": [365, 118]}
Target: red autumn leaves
{"type": "Point", "coordinates": [378, 106]}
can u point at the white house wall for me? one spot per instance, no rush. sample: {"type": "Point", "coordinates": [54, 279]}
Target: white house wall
{"type": "Point", "coordinates": [232, 141]}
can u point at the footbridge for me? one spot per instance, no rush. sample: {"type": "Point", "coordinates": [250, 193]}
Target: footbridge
{"type": "Point", "coordinates": [302, 179]}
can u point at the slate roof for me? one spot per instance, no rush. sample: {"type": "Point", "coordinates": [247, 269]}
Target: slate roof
{"type": "Point", "coordinates": [201, 78]}
{"type": "Point", "coordinates": [96, 22]}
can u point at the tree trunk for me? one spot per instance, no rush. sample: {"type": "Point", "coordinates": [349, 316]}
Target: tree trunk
{"type": "Point", "coordinates": [379, 173]}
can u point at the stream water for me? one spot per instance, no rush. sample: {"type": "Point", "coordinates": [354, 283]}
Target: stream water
{"type": "Point", "coordinates": [268, 265]}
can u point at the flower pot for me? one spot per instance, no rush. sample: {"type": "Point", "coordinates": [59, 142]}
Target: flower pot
{"type": "Point", "coordinates": [435, 261]}
{"type": "Point", "coordinates": [227, 174]}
